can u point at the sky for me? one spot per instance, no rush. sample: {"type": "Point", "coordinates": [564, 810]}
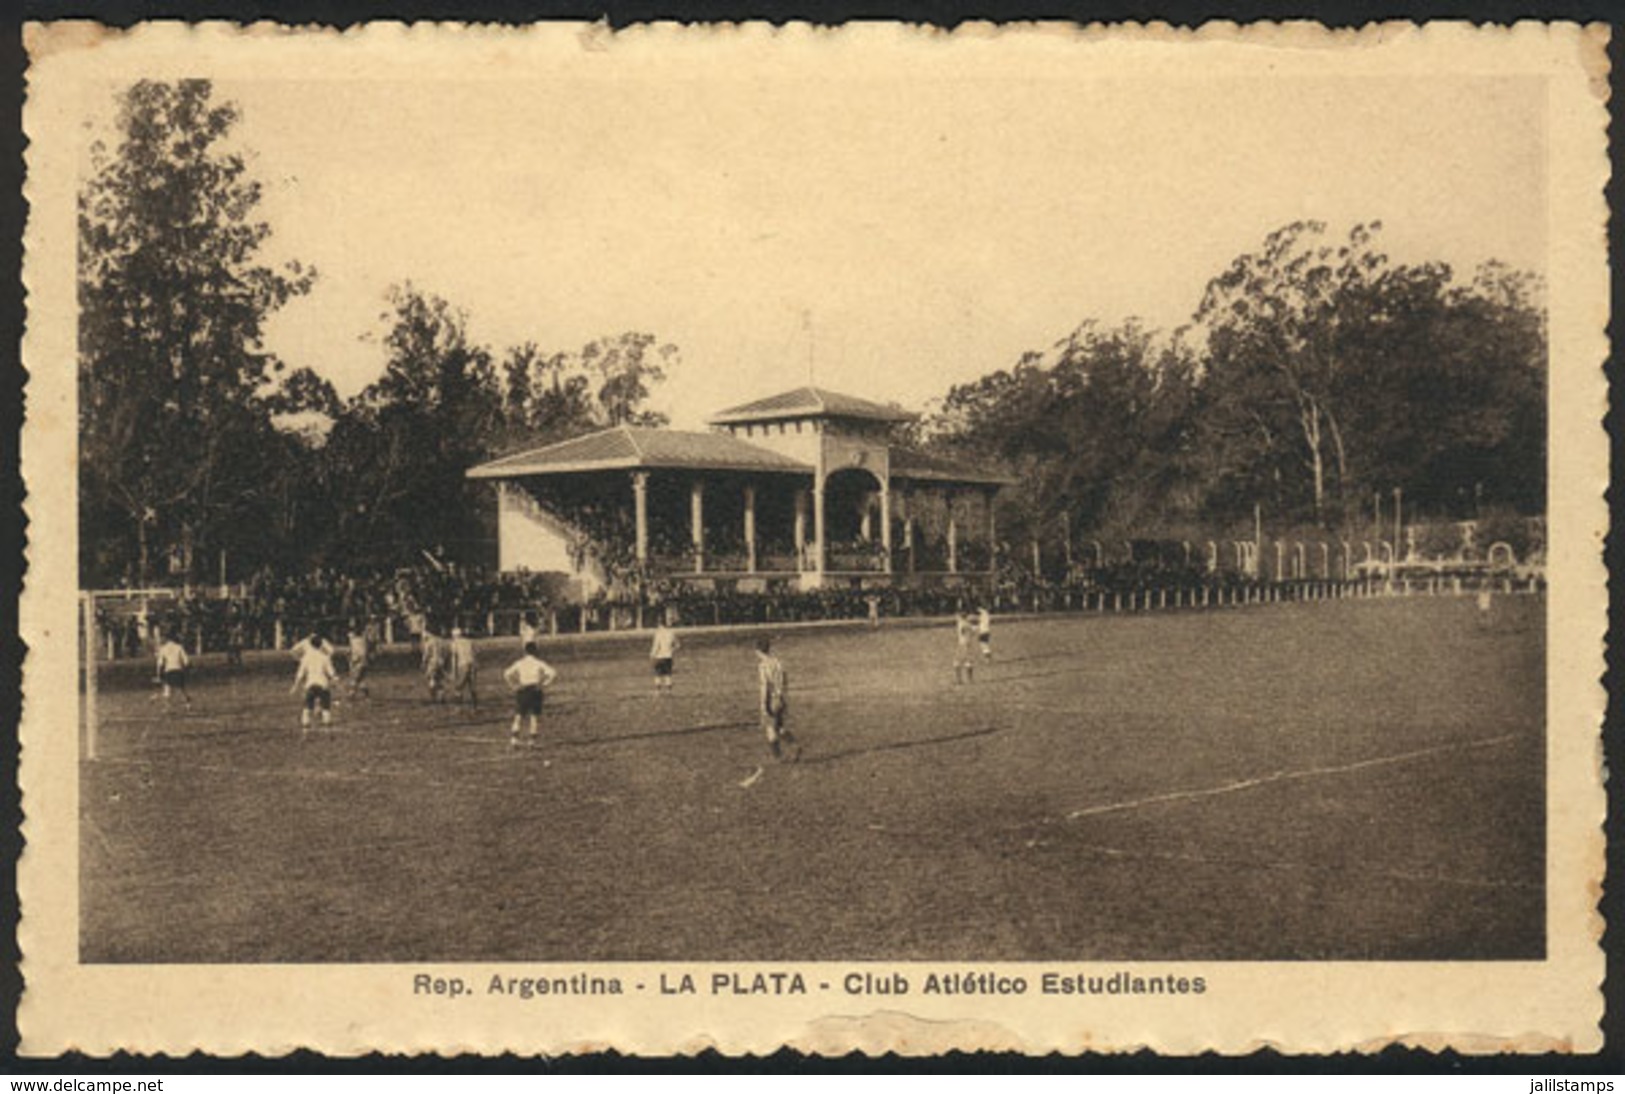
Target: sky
{"type": "Point", "coordinates": [886, 236]}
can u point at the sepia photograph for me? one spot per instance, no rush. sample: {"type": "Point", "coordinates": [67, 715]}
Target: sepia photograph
{"type": "Point", "coordinates": [836, 520]}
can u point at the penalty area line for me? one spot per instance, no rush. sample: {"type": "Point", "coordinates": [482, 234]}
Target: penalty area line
{"type": "Point", "coordinates": [1288, 776]}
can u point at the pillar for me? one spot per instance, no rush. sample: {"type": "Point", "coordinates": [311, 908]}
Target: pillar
{"type": "Point", "coordinates": [750, 529]}
{"type": "Point", "coordinates": [801, 528]}
{"type": "Point", "coordinates": [908, 529]}
{"type": "Point", "coordinates": [818, 525]}
{"type": "Point", "coordinates": [866, 525]}
{"type": "Point", "coordinates": [953, 538]}
{"type": "Point", "coordinates": [696, 519]}
{"type": "Point", "coordinates": [640, 506]}
{"type": "Point", "coordinates": [885, 523]}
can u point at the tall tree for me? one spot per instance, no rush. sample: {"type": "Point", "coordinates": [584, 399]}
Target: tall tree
{"type": "Point", "coordinates": [628, 366]}
{"type": "Point", "coordinates": [1094, 431]}
{"type": "Point", "coordinates": [406, 441]}
{"type": "Point", "coordinates": [608, 382]}
{"type": "Point", "coordinates": [173, 296]}
{"type": "Point", "coordinates": [1277, 323]}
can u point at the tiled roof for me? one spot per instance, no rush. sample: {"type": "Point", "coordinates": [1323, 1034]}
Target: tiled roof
{"type": "Point", "coordinates": [627, 447]}
{"type": "Point", "coordinates": [810, 402]}
{"type": "Point", "coordinates": [911, 463]}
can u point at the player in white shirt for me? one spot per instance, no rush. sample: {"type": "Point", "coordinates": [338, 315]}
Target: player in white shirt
{"type": "Point", "coordinates": [984, 632]}
{"type": "Point", "coordinates": [529, 677]}
{"type": "Point", "coordinates": [171, 670]}
{"type": "Point", "coordinates": [316, 676]}
{"type": "Point", "coordinates": [529, 629]}
{"type": "Point", "coordinates": [662, 653]}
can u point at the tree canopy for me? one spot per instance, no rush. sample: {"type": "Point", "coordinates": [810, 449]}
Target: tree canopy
{"type": "Point", "coordinates": [174, 379]}
{"type": "Point", "coordinates": [1313, 375]}
{"type": "Point", "coordinates": [196, 440]}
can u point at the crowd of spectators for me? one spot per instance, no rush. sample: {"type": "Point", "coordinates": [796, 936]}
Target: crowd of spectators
{"type": "Point", "coordinates": [272, 609]}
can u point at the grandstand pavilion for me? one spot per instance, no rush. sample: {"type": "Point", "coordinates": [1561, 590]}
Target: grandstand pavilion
{"type": "Point", "coordinates": [798, 490]}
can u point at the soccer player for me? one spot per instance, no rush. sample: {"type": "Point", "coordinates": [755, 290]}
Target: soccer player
{"type": "Point", "coordinates": [172, 663]}
{"type": "Point", "coordinates": [529, 677]}
{"type": "Point", "coordinates": [662, 652]}
{"type": "Point", "coordinates": [360, 657]}
{"type": "Point", "coordinates": [984, 631]}
{"type": "Point", "coordinates": [463, 667]}
{"type": "Point", "coordinates": [775, 694]}
{"type": "Point", "coordinates": [529, 629]}
{"type": "Point", "coordinates": [236, 639]}
{"type": "Point", "coordinates": [436, 660]}
{"type": "Point", "coordinates": [964, 660]}
{"type": "Point", "coordinates": [316, 676]}
{"type": "Point", "coordinates": [1486, 605]}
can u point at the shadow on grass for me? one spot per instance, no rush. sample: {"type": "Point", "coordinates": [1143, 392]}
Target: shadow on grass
{"type": "Point", "coordinates": [898, 746]}
{"type": "Point", "coordinates": [654, 734]}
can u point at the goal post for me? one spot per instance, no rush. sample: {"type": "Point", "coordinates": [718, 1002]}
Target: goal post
{"type": "Point", "coordinates": [91, 644]}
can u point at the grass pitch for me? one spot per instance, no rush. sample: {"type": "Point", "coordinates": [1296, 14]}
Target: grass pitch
{"type": "Point", "coordinates": [1337, 780]}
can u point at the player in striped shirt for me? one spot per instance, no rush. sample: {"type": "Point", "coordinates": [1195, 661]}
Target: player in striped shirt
{"type": "Point", "coordinates": [436, 663]}
{"type": "Point", "coordinates": [774, 685]}
{"type": "Point", "coordinates": [463, 668]}
{"type": "Point", "coordinates": [529, 677]}
{"type": "Point", "coordinates": [964, 657]}
{"type": "Point", "coordinates": [360, 657]}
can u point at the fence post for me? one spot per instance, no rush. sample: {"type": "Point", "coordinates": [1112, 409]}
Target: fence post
{"type": "Point", "coordinates": [276, 634]}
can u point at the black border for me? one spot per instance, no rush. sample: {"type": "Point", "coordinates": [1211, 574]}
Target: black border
{"type": "Point", "coordinates": [1610, 1060]}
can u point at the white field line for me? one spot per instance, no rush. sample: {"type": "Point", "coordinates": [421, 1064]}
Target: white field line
{"type": "Point", "coordinates": [1288, 776]}
{"type": "Point", "coordinates": [313, 774]}
{"type": "Point", "coordinates": [1422, 876]}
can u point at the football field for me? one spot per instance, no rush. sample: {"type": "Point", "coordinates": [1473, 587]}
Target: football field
{"type": "Point", "coordinates": [1344, 779]}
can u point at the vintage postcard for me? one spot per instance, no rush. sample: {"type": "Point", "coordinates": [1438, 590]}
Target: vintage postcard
{"type": "Point", "coordinates": [1034, 538]}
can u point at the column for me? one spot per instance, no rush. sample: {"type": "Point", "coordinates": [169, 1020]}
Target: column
{"type": "Point", "coordinates": [866, 524]}
{"type": "Point", "coordinates": [953, 537]}
{"type": "Point", "coordinates": [750, 529]}
{"type": "Point", "coordinates": [885, 523]}
{"type": "Point", "coordinates": [818, 525]}
{"type": "Point", "coordinates": [908, 528]}
{"type": "Point", "coordinates": [640, 506]}
{"type": "Point", "coordinates": [696, 519]}
{"type": "Point", "coordinates": [801, 527]}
